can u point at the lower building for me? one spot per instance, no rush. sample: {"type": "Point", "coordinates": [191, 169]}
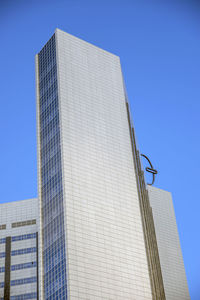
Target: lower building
{"type": "Point", "coordinates": [19, 223]}
{"type": "Point", "coordinates": [19, 250]}
{"type": "Point", "coordinates": [171, 260]}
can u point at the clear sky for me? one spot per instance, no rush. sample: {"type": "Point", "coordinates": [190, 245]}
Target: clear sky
{"type": "Point", "coordinates": [158, 42]}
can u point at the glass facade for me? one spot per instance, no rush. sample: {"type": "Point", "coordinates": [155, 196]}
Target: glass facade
{"type": "Point", "coordinates": [20, 281]}
{"type": "Point", "coordinates": [26, 296]}
{"type": "Point", "coordinates": [23, 251]}
{"type": "Point", "coordinates": [19, 237]}
{"type": "Point", "coordinates": [32, 264]}
{"type": "Point", "coordinates": [54, 259]}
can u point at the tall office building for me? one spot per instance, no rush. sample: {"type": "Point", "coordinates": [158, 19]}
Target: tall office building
{"type": "Point", "coordinates": [171, 260]}
{"type": "Point", "coordinates": [19, 250]}
{"type": "Point", "coordinates": [98, 238]}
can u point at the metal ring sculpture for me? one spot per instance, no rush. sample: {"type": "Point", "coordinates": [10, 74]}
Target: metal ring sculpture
{"type": "Point", "coordinates": [150, 170]}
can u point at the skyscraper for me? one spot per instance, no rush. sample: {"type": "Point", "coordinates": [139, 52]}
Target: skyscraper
{"type": "Point", "coordinates": [98, 238]}
{"type": "Point", "coordinates": [19, 250]}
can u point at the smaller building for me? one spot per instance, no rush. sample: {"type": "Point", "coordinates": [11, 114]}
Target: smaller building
{"type": "Point", "coordinates": [19, 222]}
{"type": "Point", "coordinates": [171, 260]}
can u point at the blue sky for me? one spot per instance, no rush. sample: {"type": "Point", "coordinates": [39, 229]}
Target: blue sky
{"type": "Point", "coordinates": [158, 42]}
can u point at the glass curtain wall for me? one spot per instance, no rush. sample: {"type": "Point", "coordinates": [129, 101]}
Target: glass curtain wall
{"type": "Point", "coordinates": [54, 260]}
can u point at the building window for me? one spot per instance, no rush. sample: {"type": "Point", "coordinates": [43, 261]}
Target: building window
{"type": "Point", "coordinates": [27, 265]}
{"type": "Point", "coordinates": [24, 223]}
{"type": "Point", "coordinates": [24, 237]}
{"type": "Point", "coordinates": [24, 296]}
{"type": "Point", "coordinates": [23, 251]}
{"type": "Point", "coordinates": [20, 281]}
{"type": "Point", "coordinates": [20, 237]}
{"type": "Point", "coordinates": [3, 226]}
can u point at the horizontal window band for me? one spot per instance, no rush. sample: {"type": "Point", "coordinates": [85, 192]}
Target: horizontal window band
{"type": "Point", "coordinates": [24, 223]}
{"type": "Point", "coordinates": [20, 281]}
{"type": "Point", "coordinates": [27, 265]}
{"type": "Point", "coordinates": [19, 237]}
{"type": "Point", "coordinates": [19, 252]}
{"type": "Point", "coordinates": [24, 296]}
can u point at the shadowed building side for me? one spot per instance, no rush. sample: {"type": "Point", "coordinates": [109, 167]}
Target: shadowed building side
{"type": "Point", "coordinates": [171, 260]}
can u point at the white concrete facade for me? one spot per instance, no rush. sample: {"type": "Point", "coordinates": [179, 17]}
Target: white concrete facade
{"type": "Point", "coordinates": [171, 260]}
{"type": "Point", "coordinates": [105, 249]}
{"type": "Point", "coordinates": [23, 255]}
